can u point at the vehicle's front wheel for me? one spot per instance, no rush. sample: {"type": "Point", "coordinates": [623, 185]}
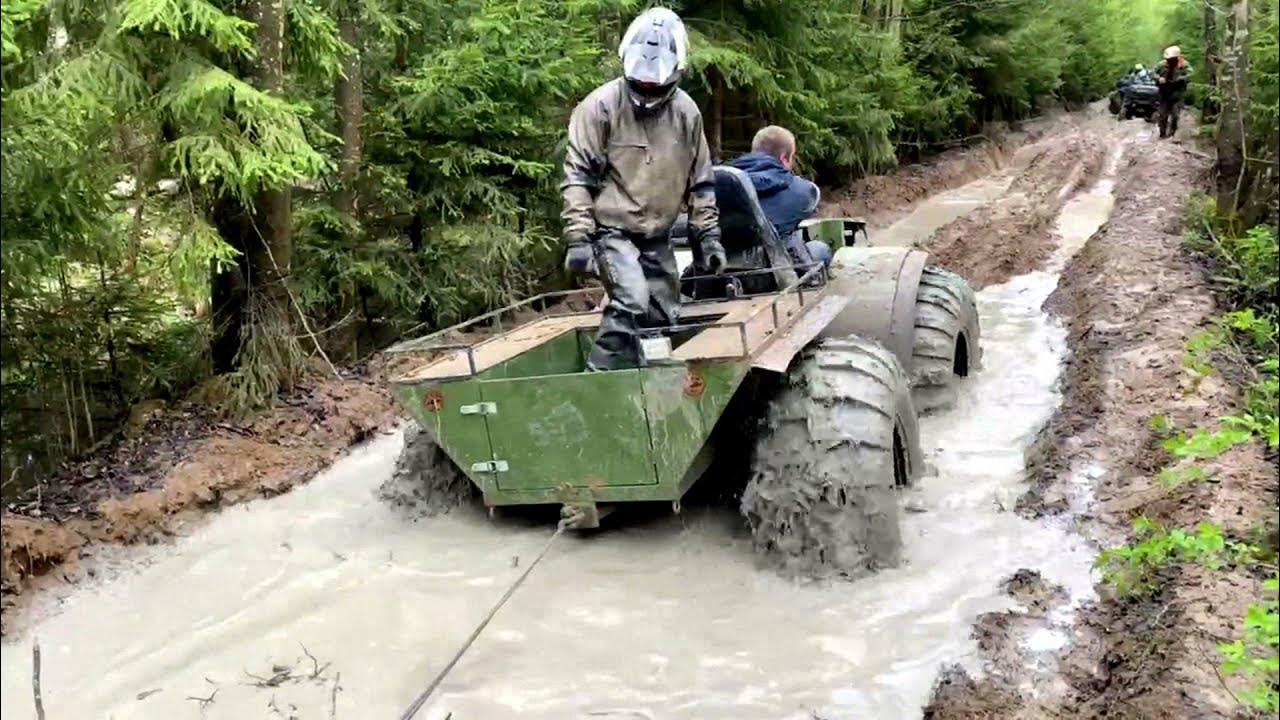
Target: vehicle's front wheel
{"type": "Point", "coordinates": [837, 441]}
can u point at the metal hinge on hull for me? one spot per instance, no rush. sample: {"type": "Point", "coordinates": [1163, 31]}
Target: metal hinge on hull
{"type": "Point", "coordinates": [490, 466]}
{"type": "Point", "coordinates": [482, 408]}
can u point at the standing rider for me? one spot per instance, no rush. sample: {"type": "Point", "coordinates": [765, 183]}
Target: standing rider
{"type": "Point", "coordinates": [785, 198]}
{"type": "Point", "coordinates": [1171, 77]}
{"type": "Point", "coordinates": [636, 154]}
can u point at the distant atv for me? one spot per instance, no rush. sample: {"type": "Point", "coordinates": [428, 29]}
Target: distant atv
{"type": "Point", "coordinates": [1135, 96]}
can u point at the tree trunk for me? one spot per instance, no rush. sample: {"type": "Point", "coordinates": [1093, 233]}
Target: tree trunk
{"type": "Point", "coordinates": [253, 295]}
{"type": "Point", "coordinates": [715, 130]}
{"type": "Point", "coordinates": [1234, 90]}
{"type": "Point", "coordinates": [270, 258]}
{"type": "Point", "coordinates": [229, 291]}
{"type": "Point", "coordinates": [1209, 109]}
{"type": "Point", "coordinates": [349, 98]}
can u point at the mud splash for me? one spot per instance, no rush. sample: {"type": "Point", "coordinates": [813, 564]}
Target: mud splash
{"type": "Point", "coordinates": [659, 617]}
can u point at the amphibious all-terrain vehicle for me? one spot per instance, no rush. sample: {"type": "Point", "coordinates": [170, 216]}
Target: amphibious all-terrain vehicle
{"type": "Point", "coordinates": [841, 361]}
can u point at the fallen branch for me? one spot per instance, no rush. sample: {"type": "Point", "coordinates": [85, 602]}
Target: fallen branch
{"type": "Point", "coordinates": [333, 697]}
{"type": "Point", "coordinates": [35, 678]}
{"type": "Point", "coordinates": [316, 667]}
{"type": "Point", "coordinates": [279, 674]}
{"type": "Point", "coordinates": [204, 701]}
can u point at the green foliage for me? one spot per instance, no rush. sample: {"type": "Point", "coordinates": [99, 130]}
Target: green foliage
{"type": "Point", "coordinates": [13, 15]}
{"type": "Point", "coordinates": [1173, 478]}
{"type": "Point", "coordinates": [1254, 654]}
{"type": "Point", "coordinates": [188, 19]}
{"type": "Point", "coordinates": [1133, 569]}
{"type": "Point", "coordinates": [1206, 444]}
{"type": "Point", "coordinates": [1162, 426]}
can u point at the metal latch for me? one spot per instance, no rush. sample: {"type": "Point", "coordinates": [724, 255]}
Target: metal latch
{"type": "Point", "coordinates": [489, 466]}
{"type": "Point", "coordinates": [483, 408]}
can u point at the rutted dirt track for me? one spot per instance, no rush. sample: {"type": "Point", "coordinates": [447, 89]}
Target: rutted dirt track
{"type": "Point", "coordinates": [667, 617]}
{"type": "Point", "coordinates": [1131, 300]}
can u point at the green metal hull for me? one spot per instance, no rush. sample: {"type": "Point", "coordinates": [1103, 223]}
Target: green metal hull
{"type": "Point", "coordinates": [537, 429]}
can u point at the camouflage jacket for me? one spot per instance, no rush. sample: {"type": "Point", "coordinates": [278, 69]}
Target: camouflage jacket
{"type": "Point", "coordinates": [1172, 78]}
{"type": "Point", "coordinates": [634, 172]}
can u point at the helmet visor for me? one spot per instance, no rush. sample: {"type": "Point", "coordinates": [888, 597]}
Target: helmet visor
{"type": "Point", "coordinates": [651, 63]}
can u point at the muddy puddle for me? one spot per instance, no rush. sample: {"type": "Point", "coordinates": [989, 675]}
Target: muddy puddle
{"type": "Point", "coordinates": [657, 617]}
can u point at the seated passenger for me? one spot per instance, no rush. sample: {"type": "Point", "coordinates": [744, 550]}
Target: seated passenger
{"type": "Point", "coordinates": [786, 199]}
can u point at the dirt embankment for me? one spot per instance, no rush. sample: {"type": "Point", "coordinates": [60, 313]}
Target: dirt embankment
{"type": "Point", "coordinates": [175, 464]}
{"type": "Point", "coordinates": [881, 199]}
{"type": "Point", "coordinates": [1015, 234]}
{"type": "Point", "coordinates": [1131, 300]}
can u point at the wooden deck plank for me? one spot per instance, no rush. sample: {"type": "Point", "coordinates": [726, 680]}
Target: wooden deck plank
{"type": "Point", "coordinates": [712, 343]}
{"type": "Point", "coordinates": [727, 342]}
{"type": "Point", "coordinates": [500, 348]}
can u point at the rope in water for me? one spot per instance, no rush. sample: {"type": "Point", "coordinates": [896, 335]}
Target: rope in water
{"type": "Point", "coordinates": [421, 700]}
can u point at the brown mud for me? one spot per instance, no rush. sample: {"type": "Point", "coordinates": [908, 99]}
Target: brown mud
{"type": "Point", "coordinates": [881, 199]}
{"type": "Point", "coordinates": [172, 466]}
{"type": "Point", "coordinates": [1014, 235]}
{"type": "Point", "coordinates": [1131, 299]}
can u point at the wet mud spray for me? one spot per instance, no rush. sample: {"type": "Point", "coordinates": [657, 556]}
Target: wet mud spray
{"type": "Point", "coordinates": [666, 617]}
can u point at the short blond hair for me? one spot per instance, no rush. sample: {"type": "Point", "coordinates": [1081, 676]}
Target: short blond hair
{"type": "Point", "coordinates": [775, 140]}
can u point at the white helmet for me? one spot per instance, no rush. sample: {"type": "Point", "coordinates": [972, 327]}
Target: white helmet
{"type": "Point", "coordinates": [1172, 52]}
{"type": "Point", "coordinates": [654, 52]}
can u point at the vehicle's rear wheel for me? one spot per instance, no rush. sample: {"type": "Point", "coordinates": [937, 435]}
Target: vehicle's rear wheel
{"type": "Point", "coordinates": [425, 480]}
{"type": "Point", "coordinates": [947, 339]}
{"type": "Point", "coordinates": [837, 441]}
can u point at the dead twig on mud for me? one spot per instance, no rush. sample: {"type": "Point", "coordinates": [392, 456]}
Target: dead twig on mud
{"type": "Point", "coordinates": [204, 701]}
{"type": "Point", "coordinates": [1222, 680]}
{"type": "Point", "coordinates": [35, 678]}
{"type": "Point", "coordinates": [316, 667]}
{"type": "Point", "coordinates": [279, 675]}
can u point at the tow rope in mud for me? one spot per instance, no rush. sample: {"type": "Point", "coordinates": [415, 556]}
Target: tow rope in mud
{"type": "Point", "coordinates": [421, 700]}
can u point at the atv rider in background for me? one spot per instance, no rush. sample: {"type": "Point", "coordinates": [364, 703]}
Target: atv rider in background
{"type": "Point", "coordinates": [1172, 77]}
{"type": "Point", "coordinates": [637, 153]}
{"type": "Point", "coordinates": [1139, 73]}
{"type": "Point", "coordinates": [786, 200]}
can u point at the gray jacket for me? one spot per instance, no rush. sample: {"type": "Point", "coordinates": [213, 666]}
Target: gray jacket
{"type": "Point", "coordinates": [634, 172]}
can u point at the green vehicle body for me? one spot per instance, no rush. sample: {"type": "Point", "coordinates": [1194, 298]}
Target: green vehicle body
{"type": "Point", "coordinates": [536, 428]}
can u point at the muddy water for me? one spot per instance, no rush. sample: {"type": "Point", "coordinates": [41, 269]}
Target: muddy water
{"type": "Point", "coordinates": [664, 617]}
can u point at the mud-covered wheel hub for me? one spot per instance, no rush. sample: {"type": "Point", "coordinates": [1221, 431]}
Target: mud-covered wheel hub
{"type": "Point", "coordinates": [837, 441]}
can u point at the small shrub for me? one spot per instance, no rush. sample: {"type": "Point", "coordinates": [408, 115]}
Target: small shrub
{"type": "Point", "coordinates": [1255, 654]}
{"type": "Point", "coordinates": [1132, 568]}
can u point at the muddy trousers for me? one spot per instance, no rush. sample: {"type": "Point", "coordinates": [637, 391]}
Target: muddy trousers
{"type": "Point", "coordinates": [1167, 115]}
{"type": "Point", "coordinates": [643, 283]}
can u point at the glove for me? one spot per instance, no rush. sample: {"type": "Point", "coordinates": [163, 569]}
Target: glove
{"type": "Point", "coordinates": [580, 258]}
{"type": "Point", "coordinates": [713, 253]}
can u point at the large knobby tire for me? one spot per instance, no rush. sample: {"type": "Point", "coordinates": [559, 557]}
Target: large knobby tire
{"type": "Point", "coordinates": [947, 343]}
{"type": "Point", "coordinates": [425, 480]}
{"type": "Point", "coordinates": [837, 441]}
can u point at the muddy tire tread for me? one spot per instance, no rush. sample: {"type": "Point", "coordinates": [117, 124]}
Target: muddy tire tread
{"type": "Point", "coordinates": [945, 308]}
{"type": "Point", "coordinates": [821, 499]}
